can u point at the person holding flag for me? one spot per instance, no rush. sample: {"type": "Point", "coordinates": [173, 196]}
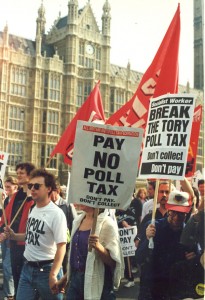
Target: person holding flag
{"type": "Point", "coordinates": [16, 213]}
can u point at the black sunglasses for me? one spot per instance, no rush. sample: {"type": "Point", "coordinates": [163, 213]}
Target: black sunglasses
{"type": "Point", "coordinates": [36, 186]}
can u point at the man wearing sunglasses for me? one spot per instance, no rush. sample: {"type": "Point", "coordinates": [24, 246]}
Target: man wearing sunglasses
{"type": "Point", "coordinates": [156, 264]}
{"type": "Point", "coordinates": [17, 212]}
{"type": "Point", "coordinates": [46, 236]}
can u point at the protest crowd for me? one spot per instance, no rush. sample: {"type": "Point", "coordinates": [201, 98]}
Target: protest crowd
{"type": "Point", "coordinates": [49, 251]}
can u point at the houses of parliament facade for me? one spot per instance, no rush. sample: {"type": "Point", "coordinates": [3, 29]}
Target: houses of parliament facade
{"type": "Point", "coordinates": [44, 82]}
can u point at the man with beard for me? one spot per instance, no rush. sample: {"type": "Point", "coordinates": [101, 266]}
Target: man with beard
{"type": "Point", "coordinates": [161, 212]}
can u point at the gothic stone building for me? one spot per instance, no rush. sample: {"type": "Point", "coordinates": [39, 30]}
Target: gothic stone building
{"type": "Point", "coordinates": [44, 82]}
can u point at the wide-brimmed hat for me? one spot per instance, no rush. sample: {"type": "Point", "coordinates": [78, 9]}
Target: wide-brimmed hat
{"type": "Point", "coordinates": [179, 201]}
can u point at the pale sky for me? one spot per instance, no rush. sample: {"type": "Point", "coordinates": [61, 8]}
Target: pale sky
{"type": "Point", "coordinates": [137, 27]}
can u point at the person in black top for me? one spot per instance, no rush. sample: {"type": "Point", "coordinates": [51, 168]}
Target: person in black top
{"type": "Point", "coordinates": [126, 218]}
{"type": "Point", "coordinates": [17, 213]}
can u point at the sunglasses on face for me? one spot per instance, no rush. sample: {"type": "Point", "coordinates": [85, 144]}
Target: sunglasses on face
{"type": "Point", "coordinates": [36, 186]}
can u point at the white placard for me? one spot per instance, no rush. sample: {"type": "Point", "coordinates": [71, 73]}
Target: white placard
{"type": "Point", "coordinates": [127, 236]}
{"type": "Point", "coordinates": [167, 137]}
{"type": "Point", "coordinates": [105, 165]}
{"type": "Point", "coordinates": [3, 163]}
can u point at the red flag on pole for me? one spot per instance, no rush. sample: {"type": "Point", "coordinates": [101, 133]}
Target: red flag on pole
{"type": "Point", "coordinates": [92, 109]}
{"type": "Point", "coordinates": [160, 78]}
{"type": "Point", "coordinates": [193, 145]}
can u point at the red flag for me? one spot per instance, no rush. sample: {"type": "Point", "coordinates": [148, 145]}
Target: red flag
{"type": "Point", "coordinates": [92, 109]}
{"type": "Point", "coordinates": [194, 138]}
{"type": "Point", "coordinates": [160, 78]}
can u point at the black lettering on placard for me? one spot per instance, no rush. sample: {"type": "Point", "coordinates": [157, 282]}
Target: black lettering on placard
{"type": "Point", "coordinates": [153, 140]}
{"type": "Point", "coordinates": [101, 175]}
{"type": "Point", "coordinates": [181, 112]}
{"type": "Point", "coordinates": [112, 143]}
{"type": "Point", "coordinates": [176, 139]}
{"type": "Point", "coordinates": [174, 125]}
{"type": "Point", "coordinates": [153, 127]}
{"type": "Point", "coordinates": [102, 188]}
{"type": "Point", "coordinates": [104, 159]}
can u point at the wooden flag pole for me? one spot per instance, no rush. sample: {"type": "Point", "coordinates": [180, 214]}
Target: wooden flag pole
{"type": "Point", "coordinates": [18, 211]}
{"type": "Point", "coordinates": [151, 242]}
{"type": "Point", "coordinates": [95, 216]}
{"type": "Point", "coordinates": [48, 162]}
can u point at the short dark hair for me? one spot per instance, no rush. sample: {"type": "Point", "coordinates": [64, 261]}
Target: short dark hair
{"type": "Point", "coordinates": [49, 178]}
{"type": "Point", "coordinates": [152, 183]}
{"type": "Point", "coordinates": [200, 181]}
{"type": "Point", "coordinates": [29, 167]}
{"type": "Point", "coordinates": [163, 182]}
{"type": "Point", "coordinates": [196, 194]}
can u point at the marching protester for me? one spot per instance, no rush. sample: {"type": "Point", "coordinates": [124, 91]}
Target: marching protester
{"type": "Point", "coordinates": [46, 235]}
{"type": "Point", "coordinates": [201, 188]}
{"type": "Point", "coordinates": [17, 213]}
{"type": "Point", "coordinates": [162, 197]}
{"type": "Point", "coordinates": [148, 205]}
{"type": "Point", "coordinates": [161, 211]}
{"type": "Point", "coordinates": [70, 214]}
{"type": "Point", "coordinates": [156, 264]}
{"type": "Point", "coordinates": [142, 195]}
{"type": "Point", "coordinates": [150, 189]}
{"type": "Point", "coordinates": [190, 277]}
{"type": "Point", "coordinates": [136, 204]}
{"type": "Point", "coordinates": [11, 187]}
{"type": "Point", "coordinates": [126, 219]}
{"type": "Point", "coordinates": [92, 274]}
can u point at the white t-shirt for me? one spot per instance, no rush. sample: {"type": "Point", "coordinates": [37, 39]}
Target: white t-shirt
{"type": "Point", "coordinates": [46, 227]}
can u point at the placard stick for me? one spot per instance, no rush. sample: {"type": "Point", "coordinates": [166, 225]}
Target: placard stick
{"type": "Point", "coordinates": [48, 162]}
{"type": "Point", "coordinates": [96, 212]}
{"type": "Point", "coordinates": [129, 267]}
{"type": "Point", "coordinates": [18, 211]}
{"type": "Point", "coordinates": [3, 210]}
{"type": "Point", "coordinates": [151, 242]}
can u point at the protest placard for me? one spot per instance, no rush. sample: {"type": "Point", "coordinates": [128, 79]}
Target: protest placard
{"type": "Point", "coordinates": [167, 137]}
{"type": "Point", "coordinates": [3, 163]}
{"type": "Point", "coordinates": [105, 165]}
{"type": "Point", "coordinates": [127, 236]}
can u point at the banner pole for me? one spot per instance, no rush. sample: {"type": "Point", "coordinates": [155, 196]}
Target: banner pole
{"type": "Point", "coordinates": [20, 208]}
{"type": "Point", "coordinates": [151, 242]}
{"type": "Point", "coordinates": [48, 162]}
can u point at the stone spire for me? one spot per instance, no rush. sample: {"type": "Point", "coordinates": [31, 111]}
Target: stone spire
{"type": "Point", "coordinates": [72, 11]}
{"type": "Point", "coordinates": [106, 17]}
{"type": "Point", "coordinates": [40, 21]}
